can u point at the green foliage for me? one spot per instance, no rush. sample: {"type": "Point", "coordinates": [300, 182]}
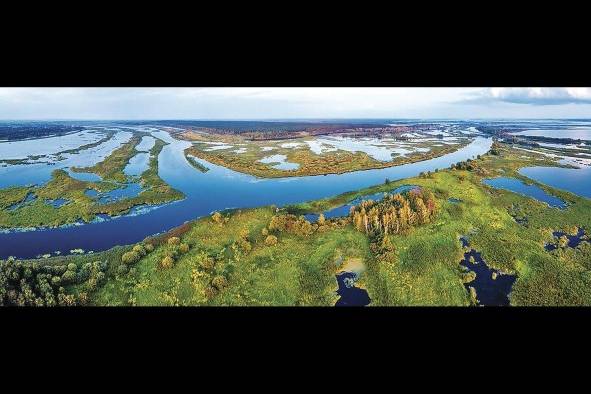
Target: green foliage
{"type": "Point", "coordinates": [173, 241]}
{"type": "Point", "coordinates": [291, 224]}
{"type": "Point", "coordinates": [130, 257]}
{"type": "Point", "coordinates": [167, 262]}
{"type": "Point", "coordinates": [271, 240]}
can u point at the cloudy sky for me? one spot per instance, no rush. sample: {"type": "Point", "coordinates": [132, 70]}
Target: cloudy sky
{"type": "Point", "coordinates": [284, 103]}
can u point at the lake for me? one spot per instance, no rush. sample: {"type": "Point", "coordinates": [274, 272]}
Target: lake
{"type": "Point", "coordinates": [574, 180]}
{"type": "Point", "coordinates": [533, 191]}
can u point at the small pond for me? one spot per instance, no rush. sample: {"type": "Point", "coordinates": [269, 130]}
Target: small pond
{"type": "Point", "coordinates": [29, 198]}
{"type": "Point", "coordinates": [533, 191]}
{"type": "Point", "coordinates": [349, 293]}
{"type": "Point", "coordinates": [492, 286]}
{"type": "Point", "coordinates": [58, 202]}
{"type": "Point", "coordinates": [129, 191]}
{"type": "Point", "coordinates": [573, 240]}
{"type": "Point", "coordinates": [282, 164]}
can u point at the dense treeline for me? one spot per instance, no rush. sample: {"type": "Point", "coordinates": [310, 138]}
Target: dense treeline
{"type": "Point", "coordinates": [394, 214]}
{"type": "Point", "coordinates": [35, 284]}
{"type": "Point", "coordinates": [19, 131]}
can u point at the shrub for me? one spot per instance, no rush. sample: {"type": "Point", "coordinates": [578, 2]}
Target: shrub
{"type": "Point", "coordinates": [217, 217]}
{"type": "Point", "coordinates": [271, 240]}
{"type": "Point", "coordinates": [174, 241]}
{"type": "Point", "coordinates": [219, 282]}
{"type": "Point", "coordinates": [130, 257]}
{"type": "Point", "coordinates": [183, 248]}
{"type": "Point", "coordinates": [264, 231]}
{"type": "Point", "coordinates": [122, 269]}
{"type": "Point", "coordinates": [149, 247]}
{"type": "Point", "coordinates": [167, 262]}
{"type": "Point", "coordinates": [469, 277]}
{"type": "Point", "coordinates": [210, 292]}
{"type": "Point", "coordinates": [68, 277]}
{"type": "Point", "coordinates": [206, 262]}
{"type": "Point", "coordinates": [72, 267]}
{"type": "Point", "coordinates": [139, 249]}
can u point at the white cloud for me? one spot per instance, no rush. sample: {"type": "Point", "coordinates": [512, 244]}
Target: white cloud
{"type": "Point", "coordinates": [540, 96]}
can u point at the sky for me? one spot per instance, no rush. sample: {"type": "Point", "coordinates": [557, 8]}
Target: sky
{"type": "Point", "coordinates": [293, 103]}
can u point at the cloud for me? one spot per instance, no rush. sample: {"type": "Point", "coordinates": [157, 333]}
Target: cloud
{"type": "Point", "coordinates": [533, 96]}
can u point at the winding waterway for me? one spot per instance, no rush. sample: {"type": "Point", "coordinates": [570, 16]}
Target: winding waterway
{"type": "Point", "coordinates": [217, 189]}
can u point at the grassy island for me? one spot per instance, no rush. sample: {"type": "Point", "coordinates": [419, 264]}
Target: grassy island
{"type": "Point", "coordinates": [244, 155]}
{"type": "Point", "coordinates": [16, 212]}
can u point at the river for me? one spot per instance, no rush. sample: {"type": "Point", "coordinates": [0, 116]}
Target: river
{"type": "Point", "coordinates": [217, 189]}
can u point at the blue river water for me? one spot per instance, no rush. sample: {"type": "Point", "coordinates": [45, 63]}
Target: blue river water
{"type": "Point", "coordinates": [217, 189]}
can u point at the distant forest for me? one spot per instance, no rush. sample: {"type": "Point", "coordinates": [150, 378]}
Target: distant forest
{"type": "Point", "coordinates": [234, 126]}
{"type": "Point", "coordinates": [13, 131]}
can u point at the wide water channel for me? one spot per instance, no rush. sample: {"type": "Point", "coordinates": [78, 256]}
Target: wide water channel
{"type": "Point", "coordinates": [217, 189]}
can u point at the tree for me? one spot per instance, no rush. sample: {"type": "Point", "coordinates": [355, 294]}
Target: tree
{"type": "Point", "coordinates": [167, 262]}
{"type": "Point", "coordinates": [139, 250]}
{"type": "Point", "coordinates": [173, 241]}
{"type": "Point", "coordinates": [183, 248]}
{"type": "Point", "coordinates": [321, 220]}
{"type": "Point", "coordinates": [219, 282]}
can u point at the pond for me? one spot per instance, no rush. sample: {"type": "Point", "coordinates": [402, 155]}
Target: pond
{"type": "Point", "coordinates": [350, 295]}
{"type": "Point", "coordinates": [279, 162]}
{"type": "Point", "coordinates": [533, 191]}
{"type": "Point", "coordinates": [492, 286]}
{"type": "Point", "coordinates": [128, 191]}
{"type": "Point", "coordinates": [58, 202]}
{"type": "Point", "coordinates": [217, 189]}
{"type": "Point", "coordinates": [28, 198]}
{"type": "Point", "coordinates": [573, 240]}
